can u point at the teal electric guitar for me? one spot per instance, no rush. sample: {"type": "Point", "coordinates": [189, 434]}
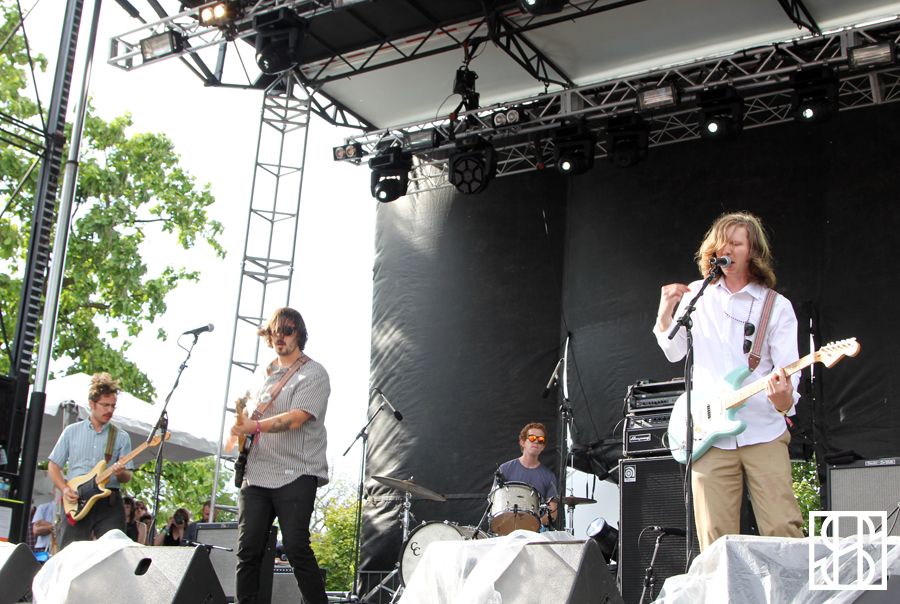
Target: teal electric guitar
{"type": "Point", "coordinates": [714, 412]}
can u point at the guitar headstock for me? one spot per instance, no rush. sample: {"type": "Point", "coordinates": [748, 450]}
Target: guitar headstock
{"type": "Point", "coordinates": [240, 405]}
{"type": "Point", "coordinates": [833, 352]}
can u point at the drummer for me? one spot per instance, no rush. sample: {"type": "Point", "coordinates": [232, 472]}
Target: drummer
{"type": "Point", "coordinates": [527, 468]}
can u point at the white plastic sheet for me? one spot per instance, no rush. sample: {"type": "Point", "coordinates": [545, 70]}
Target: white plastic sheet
{"type": "Point", "coordinates": [766, 570]}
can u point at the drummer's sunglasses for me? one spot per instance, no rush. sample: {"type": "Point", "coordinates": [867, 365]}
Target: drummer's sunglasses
{"type": "Point", "coordinates": [534, 437]}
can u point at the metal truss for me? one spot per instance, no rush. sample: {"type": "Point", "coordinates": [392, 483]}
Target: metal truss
{"type": "Point", "coordinates": [267, 267]}
{"type": "Point", "coordinates": [762, 77]}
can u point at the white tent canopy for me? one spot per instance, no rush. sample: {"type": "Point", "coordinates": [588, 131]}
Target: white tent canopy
{"type": "Point", "coordinates": [67, 402]}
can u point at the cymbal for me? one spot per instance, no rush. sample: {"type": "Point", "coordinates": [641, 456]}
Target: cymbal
{"type": "Point", "coordinates": [576, 500]}
{"type": "Point", "coordinates": [412, 488]}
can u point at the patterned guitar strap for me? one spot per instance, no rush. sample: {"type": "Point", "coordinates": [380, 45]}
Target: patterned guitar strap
{"type": "Point", "coordinates": [110, 445]}
{"type": "Point", "coordinates": [755, 357]}
{"type": "Point", "coordinates": [269, 397]}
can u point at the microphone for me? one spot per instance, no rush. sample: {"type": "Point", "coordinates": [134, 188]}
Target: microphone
{"type": "Point", "coordinates": [666, 530]}
{"type": "Point", "coordinates": [553, 378]}
{"type": "Point", "coordinates": [724, 261]}
{"type": "Point", "coordinates": [397, 414]}
{"type": "Point", "coordinates": [499, 477]}
{"type": "Point", "coordinates": [199, 330]}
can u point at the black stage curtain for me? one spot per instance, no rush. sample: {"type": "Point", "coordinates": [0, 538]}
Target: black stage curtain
{"type": "Point", "coordinates": [825, 194]}
{"type": "Point", "coordinates": [465, 337]}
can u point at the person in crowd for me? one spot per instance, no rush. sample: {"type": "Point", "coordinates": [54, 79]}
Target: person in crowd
{"type": "Point", "coordinates": [136, 530]}
{"type": "Point", "coordinates": [174, 532]}
{"type": "Point", "coordinates": [286, 464]}
{"type": "Point", "coordinates": [83, 445]}
{"type": "Point", "coordinates": [727, 316]}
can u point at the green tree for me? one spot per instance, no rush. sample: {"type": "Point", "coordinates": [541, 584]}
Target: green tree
{"type": "Point", "coordinates": [806, 489]}
{"type": "Point", "coordinates": [334, 544]}
{"type": "Point", "coordinates": [185, 484]}
{"type": "Point", "coordinates": [130, 188]}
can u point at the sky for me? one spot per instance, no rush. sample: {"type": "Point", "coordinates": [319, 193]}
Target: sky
{"type": "Point", "coordinates": [215, 131]}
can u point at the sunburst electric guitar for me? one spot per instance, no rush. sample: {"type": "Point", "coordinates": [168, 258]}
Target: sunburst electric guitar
{"type": "Point", "coordinates": [714, 412]}
{"type": "Point", "coordinates": [90, 486]}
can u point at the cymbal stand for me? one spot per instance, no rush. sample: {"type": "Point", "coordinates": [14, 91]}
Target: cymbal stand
{"type": "Point", "coordinates": [570, 519]}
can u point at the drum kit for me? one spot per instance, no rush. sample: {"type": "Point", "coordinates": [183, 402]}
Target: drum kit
{"type": "Point", "coordinates": [511, 506]}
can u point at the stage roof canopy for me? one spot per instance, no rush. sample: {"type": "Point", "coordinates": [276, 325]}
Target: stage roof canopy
{"type": "Point", "coordinates": [392, 62]}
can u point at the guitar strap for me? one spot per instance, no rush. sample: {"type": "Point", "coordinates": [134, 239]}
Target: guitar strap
{"type": "Point", "coordinates": [110, 441]}
{"type": "Point", "coordinates": [272, 394]}
{"type": "Point", "coordinates": [768, 305]}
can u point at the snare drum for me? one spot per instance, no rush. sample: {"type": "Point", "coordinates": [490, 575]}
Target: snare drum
{"type": "Point", "coordinates": [515, 505]}
{"type": "Point", "coordinates": [427, 533]}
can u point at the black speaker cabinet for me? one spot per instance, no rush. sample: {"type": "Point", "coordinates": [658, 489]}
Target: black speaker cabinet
{"type": "Point", "coordinates": [18, 566]}
{"type": "Point", "coordinates": [562, 572]}
{"type": "Point", "coordinates": [651, 493]}
{"type": "Point", "coordinates": [870, 485]}
{"type": "Point", "coordinates": [149, 575]}
{"type": "Point", "coordinates": [224, 534]}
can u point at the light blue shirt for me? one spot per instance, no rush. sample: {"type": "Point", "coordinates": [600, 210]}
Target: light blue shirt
{"type": "Point", "coordinates": [83, 447]}
{"type": "Point", "coordinates": [43, 512]}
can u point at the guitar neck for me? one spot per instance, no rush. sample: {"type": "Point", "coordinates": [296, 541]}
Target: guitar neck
{"type": "Point", "coordinates": [105, 474]}
{"type": "Point", "coordinates": [738, 397]}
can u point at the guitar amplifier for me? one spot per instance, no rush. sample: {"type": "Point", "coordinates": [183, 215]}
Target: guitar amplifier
{"type": "Point", "coordinates": [651, 397]}
{"type": "Point", "coordinates": [645, 434]}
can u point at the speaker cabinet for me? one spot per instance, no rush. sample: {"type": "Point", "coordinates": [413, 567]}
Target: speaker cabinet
{"type": "Point", "coordinates": [149, 575]}
{"type": "Point", "coordinates": [224, 535]}
{"type": "Point", "coordinates": [870, 485]}
{"type": "Point", "coordinates": [651, 493]}
{"type": "Point", "coordinates": [18, 566]}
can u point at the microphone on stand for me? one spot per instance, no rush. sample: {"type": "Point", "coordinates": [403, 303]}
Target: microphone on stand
{"type": "Point", "coordinates": [499, 477]}
{"type": "Point", "coordinates": [723, 262]}
{"type": "Point", "coordinates": [397, 414]}
{"type": "Point", "coordinates": [199, 330]}
{"type": "Point", "coordinates": [553, 379]}
{"type": "Point", "coordinates": [665, 530]}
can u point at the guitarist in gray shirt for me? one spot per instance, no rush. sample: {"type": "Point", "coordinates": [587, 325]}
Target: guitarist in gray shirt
{"type": "Point", "coordinates": [285, 416]}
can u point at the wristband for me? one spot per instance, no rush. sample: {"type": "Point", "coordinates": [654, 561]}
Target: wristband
{"type": "Point", "coordinates": [257, 429]}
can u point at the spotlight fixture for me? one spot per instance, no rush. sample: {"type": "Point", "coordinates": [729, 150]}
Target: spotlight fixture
{"type": "Point", "coordinates": [626, 140]}
{"type": "Point", "coordinates": [872, 55]}
{"type": "Point", "coordinates": [655, 97]}
{"type": "Point", "coordinates": [390, 173]}
{"type": "Point", "coordinates": [279, 40]}
{"type": "Point", "coordinates": [815, 96]}
{"type": "Point", "coordinates": [606, 537]}
{"type": "Point", "coordinates": [721, 115]}
{"type": "Point", "coordinates": [421, 140]}
{"type": "Point", "coordinates": [573, 149]}
{"type": "Point", "coordinates": [161, 45]}
{"type": "Point", "coordinates": [541, 7]}
{"type": "Point", "coordinates": [508, 117]}
{"type": "Point", "coordinates": [473, 165]}
{"type": "Point", "coordinates": [218, 14]}
{"type": "Point", "coordinates": [349, 151]}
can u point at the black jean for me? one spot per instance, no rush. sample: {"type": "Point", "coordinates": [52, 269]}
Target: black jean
{"type": "Point", "coordinates": [293, 505]}
{"type": "Point", "coordinates": [106, 514]}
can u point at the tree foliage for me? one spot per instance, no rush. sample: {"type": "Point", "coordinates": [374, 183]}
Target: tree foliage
{"type": "Point", "coordinates": [334, 534]}
{"type": "Point", "coordinates": [806, 488]}
{"type": "Point", "coordinates": [130, 188]}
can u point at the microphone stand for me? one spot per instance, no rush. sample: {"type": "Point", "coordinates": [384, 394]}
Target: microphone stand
{"type": "Point", "coordinates": [565, 421]}
{"type": "Point", "coordinates": [686, 322]}
{"type": "Point", "coordinates": [364, 435]}
{"type": "Point", "coordinates": [162, 426]}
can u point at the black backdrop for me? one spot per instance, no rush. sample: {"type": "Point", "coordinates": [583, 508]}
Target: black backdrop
{"type": "Point", "coordinates": [468, 320]}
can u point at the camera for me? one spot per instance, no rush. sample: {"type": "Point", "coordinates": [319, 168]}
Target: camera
{"type": "Point", "coordinates": [179, 520]}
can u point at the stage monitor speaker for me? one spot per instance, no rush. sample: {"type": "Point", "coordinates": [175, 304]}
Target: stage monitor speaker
{"type": "Point", "coordinates": [225, 534]}
{"type": "Point", "coordinates": [558, 572]}
{"type": "Point", "coordinates": [870, 485]}
{"type": "Point", "coordinates": [18, 566]}
{"type": "Point", "coordinates": [149, 575]}
{"type": "Point", "coordinates": [651, 493]}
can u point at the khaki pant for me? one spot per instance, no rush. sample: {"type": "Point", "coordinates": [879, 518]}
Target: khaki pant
{"type": "Point", "coordinates": [718, 479]}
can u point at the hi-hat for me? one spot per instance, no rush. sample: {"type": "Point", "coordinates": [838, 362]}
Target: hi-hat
{"type": "Point", "coordinates": [412, 488]}
{"type": "Point", "coordinates": [576, 500]}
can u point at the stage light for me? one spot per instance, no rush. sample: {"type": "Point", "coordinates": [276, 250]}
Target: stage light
{"type": "Point", "coordinates": [161, 45]}
{"type": "Point", "coordinates": [815, 96]}
{"type": "Point", "coordinates": [626, 140]}
{"type": "Point", "coordinates": [606, 537]}
{"type": "Point", "coordinates": [473, 166]}
{"type": "Point", "coordinates": [573, 149]}
{"type": "Point", "coordinates": [349, 151]}
{"type": "Point", "coordinates": [279, 40]}
{"type": "Point", "coordinates": [421, 140]}
{"type": "Point", "coordinates": [721, 114]}
{"type": "Point", "coordinates": [390, 174]}
{"type": "Point", "coordinates": [657, 96]}
{"type": "Point", "coordinates": [221, 13]}
{"type": "Point", "coordinates": [872, 55]}
{"type": "Point", "coordinates": [541, 7]}
{"type": "Point", "coordinates": [508, 117]}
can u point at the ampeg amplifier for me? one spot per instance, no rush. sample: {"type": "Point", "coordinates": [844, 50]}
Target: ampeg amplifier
{"type": "Point", "coordinates": [645, 434]}
{"type": "Point", "coordinates": [650, 397]}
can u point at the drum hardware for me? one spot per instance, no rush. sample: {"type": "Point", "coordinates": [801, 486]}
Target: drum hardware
{"type": "Point", "coordinates": [570, 502]}
{"type": "Point", "coordinates": [408, 486]}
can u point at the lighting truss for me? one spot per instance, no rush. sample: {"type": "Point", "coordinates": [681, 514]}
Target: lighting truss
{"type": "Point", "coordinates": [760, 75]}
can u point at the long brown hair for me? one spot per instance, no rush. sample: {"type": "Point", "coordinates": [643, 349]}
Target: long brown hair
{"type": "Point", "coordinates": [760, 256]}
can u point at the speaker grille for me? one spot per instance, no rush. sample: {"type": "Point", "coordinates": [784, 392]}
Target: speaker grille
{"type": "Point", "coordinates": [865, 486]}
{"type": "Point", "coordinates": [651, 493]}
